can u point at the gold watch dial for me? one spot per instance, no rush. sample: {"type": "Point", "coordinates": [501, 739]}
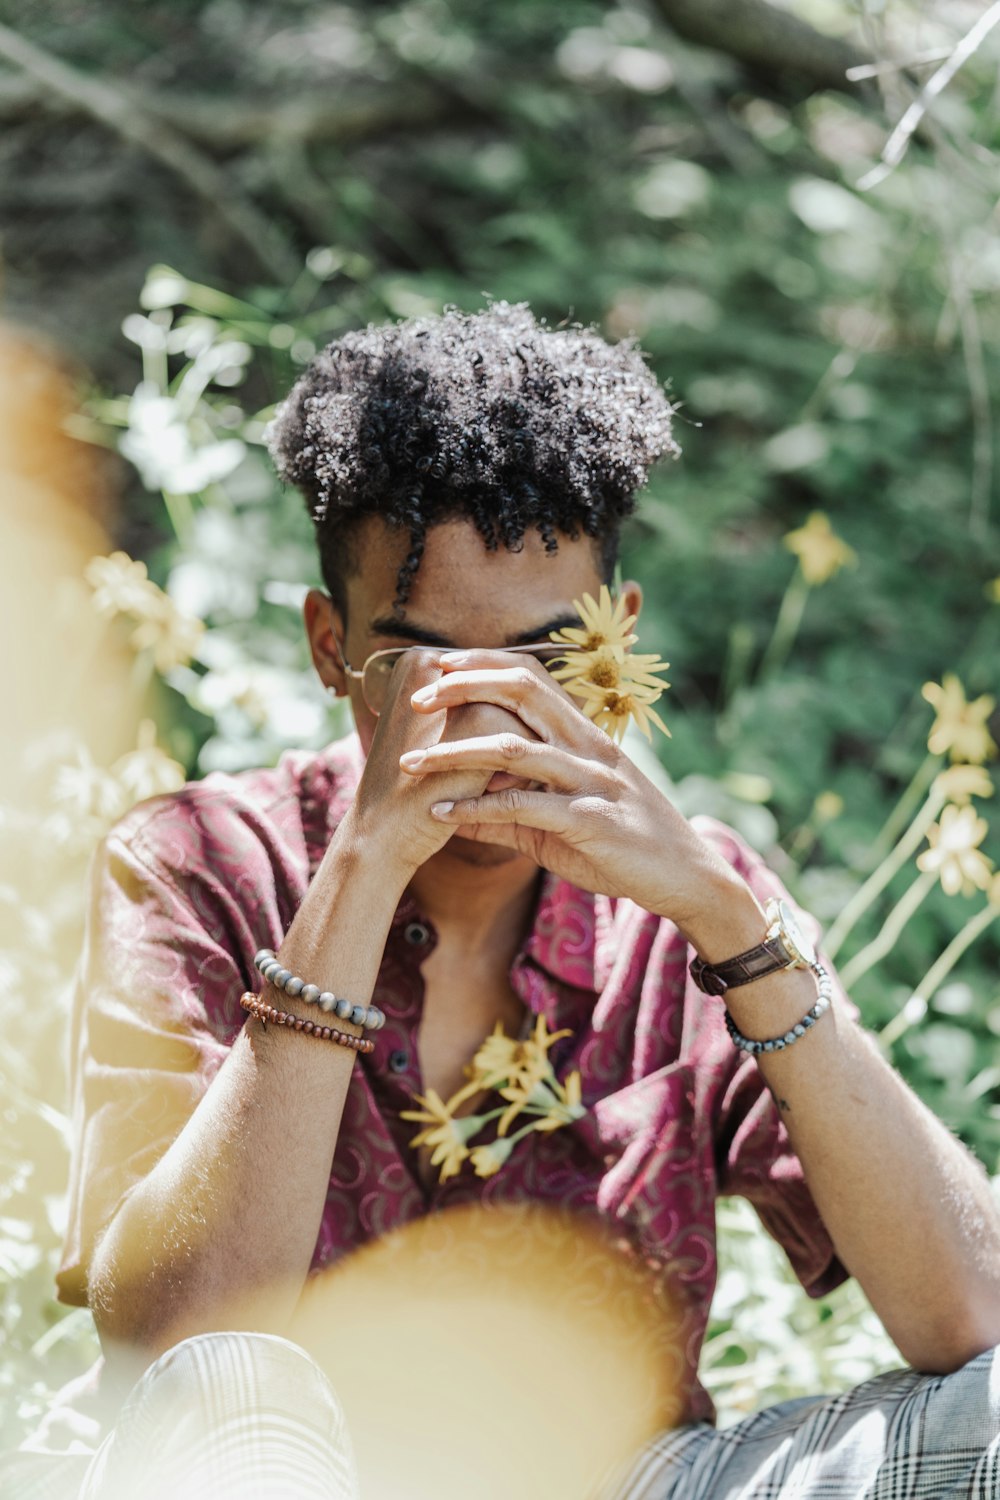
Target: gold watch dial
{"type": "Point", "coordinates": [791, 934]}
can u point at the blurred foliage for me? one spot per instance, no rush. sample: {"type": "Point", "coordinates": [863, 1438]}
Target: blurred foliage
{"type": "Point", "coordinates": [834, 347]}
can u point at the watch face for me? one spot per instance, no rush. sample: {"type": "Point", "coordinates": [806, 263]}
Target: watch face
{"type": "Point", "coordinates": [793, 937]}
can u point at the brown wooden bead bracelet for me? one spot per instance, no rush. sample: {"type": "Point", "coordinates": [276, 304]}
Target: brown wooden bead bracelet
{"type": "Point", "coordinates": [265, 1013]}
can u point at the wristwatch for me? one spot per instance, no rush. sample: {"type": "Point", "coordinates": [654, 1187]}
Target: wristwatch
{"type": "Point", "coordinates": [785, 946]}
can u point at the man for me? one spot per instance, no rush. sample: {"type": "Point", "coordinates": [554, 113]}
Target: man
{"type": "Point", "coordinates": [481, 853]}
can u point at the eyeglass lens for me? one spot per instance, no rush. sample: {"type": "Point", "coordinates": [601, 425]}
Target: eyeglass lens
{"type": "Point", "coordinates": [378, 670]}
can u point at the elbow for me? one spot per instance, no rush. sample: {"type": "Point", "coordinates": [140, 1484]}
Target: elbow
{"type": "Point", "coordinates": [947, 1348]}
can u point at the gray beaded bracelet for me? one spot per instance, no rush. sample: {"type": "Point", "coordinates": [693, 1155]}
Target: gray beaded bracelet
{"type": "Point", "coordinates": [824, 994]}
{"type": "Point", "coordinates": [368, 1016]}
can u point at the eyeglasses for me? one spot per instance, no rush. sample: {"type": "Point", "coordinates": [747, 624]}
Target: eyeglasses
{"type": "Point", "coordinates": [376, 674]}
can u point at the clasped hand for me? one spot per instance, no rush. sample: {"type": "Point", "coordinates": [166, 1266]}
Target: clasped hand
{"type": "Point", "coordinates": [579, 808]}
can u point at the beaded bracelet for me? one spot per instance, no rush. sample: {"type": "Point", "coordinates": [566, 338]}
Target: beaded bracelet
{"type": "Point", "coordinates": [824, 995]}
{"type": "Point", "coordinates": [267, 1013]}
{"type": "Point", "coordinates": [368, 1016]}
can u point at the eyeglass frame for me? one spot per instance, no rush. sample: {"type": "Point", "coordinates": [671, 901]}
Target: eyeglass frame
{"type": "Point", "coordinates": [555, 647]}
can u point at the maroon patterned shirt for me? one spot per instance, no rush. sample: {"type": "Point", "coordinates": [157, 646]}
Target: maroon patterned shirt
{"type": "Point", "coordinates": [189, 886]}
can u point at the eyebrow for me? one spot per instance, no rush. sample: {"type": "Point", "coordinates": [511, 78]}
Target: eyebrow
{"type": "Point", "coordinates": [406, 630]}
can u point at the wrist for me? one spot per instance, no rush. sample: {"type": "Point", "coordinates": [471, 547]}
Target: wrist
{"type": "Point", "coordinates": [725, 919]}
{"type": "Point", "coordinates": [367, 859]}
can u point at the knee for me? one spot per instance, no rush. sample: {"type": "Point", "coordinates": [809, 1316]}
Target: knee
{"type": "Point", "coordinates": [231, 1371]}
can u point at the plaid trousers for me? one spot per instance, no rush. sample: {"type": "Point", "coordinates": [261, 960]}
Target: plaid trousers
{"type": "Point", "coordinates": [227, 1415]}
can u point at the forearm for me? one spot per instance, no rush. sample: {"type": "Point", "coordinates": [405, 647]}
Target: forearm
{"type": "Point", "coordinates": [222, 1230]}
{"type": "Point", "coordinates": [909, 1210]}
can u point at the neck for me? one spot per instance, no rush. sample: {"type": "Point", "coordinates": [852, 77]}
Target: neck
{"type": "Point", "coordinates": [484, 906]}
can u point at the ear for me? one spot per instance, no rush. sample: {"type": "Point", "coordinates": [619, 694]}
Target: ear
{"type": "Point", "coordinates": [631, 592]}
{"type": "Point", "coordinates": [325, 628]}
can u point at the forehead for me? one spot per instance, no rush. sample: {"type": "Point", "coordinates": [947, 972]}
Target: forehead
{"type": "Point", "coordinates": [463, 591]}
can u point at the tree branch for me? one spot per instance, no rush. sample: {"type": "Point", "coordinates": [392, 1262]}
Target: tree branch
{"type": "Point", "coordinates": [770, 40]}
{"type": "Point", "coordinates": [123, 114]}
{"type": "Point", "coordinates": [233, 124]}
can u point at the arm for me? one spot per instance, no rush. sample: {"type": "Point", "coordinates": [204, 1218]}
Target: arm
{"type": "Point", "coordinates": [909, 1210]}
{"type": "Point", "coordinates": [221, 1231]}
{"type": "Point", "coordinates": [220, 1234]}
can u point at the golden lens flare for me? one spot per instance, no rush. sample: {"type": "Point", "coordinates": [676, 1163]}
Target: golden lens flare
{"type": "Point", "coordinates": [507, 1349]}
{"type": "Point", "coordinates": [615, 686]}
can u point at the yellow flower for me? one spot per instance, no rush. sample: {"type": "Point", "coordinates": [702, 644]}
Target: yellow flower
{"type": "Point", "coordinates": [531, 1088]}
{"type": "Point", "coordinates": [88, 791]}
{"type": "Point", "coordinates": [122, 586]}
{"type": "Point", "coordinates": [960, 727]}
{"type": "Point", "coordinates": [828, 805]}
{"type": "Point", "coordinates": [567, 1107]}
{"type": "Point", "coordinates": [611, 709]}
{"type": "Point", "coordinates": [993, 590]}
{"type": "Point", "coordinates": [446, 1134]}
{"type": "Point", "coordinates": [173, 636]}
{"type": "Point", "coordinates": [488, 1159]}
{"type": "Point", "coordinates": [604, 624]}
{"type": "Point", "coordinates": [496, 1059]}
{"type": "Point", "coordinates": [614, 685]}
{"type": "Point", "coordinates": [954, 855]}
{"type": "Point", "coordinates": [959, 783]}
{"type": "Point", "coordinates": [819, 549]}
{"type": "Point", "coordinates": [146, 771]}
{"type": "Point", "coordinates": [608, 668]}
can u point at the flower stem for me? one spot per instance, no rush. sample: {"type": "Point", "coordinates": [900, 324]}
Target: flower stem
{"type": "Point", "coordinates": [881, 877]}
{"type": "Point", "coordinates": [903, 811]}
{"type": "Point", "coordinates": [890, 930]}
{"type": "Point", "coordinates": [786, 626]}
{"type": "Point", "coordinates": [180, 513]}
{"type": "Point", "coordinates": [937, 973]}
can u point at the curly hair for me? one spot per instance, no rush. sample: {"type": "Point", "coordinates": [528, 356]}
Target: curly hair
{"type": "Point", "coordinates": [490, 416]}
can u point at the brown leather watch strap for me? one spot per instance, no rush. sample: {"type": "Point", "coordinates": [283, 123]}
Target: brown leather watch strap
{"type": "Point", "coordinates": [767, 958]}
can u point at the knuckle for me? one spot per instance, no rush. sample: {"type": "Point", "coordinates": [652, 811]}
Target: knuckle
{"type": "Point", "coordinates": [510, 746]}
{"type": "Point", "coordinates": [419, 665]}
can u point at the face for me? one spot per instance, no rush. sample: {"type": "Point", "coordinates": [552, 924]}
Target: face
{"type": "Point", "coordinates": [462, 595]}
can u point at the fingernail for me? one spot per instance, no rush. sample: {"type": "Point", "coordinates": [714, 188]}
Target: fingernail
{"type": "Point", "coordinates": [441, 809]}
{"type": "Point", "coordinates": [412, 758]}
{"type": "Point", "coordinates": [453, 658]}
{"type": "Point", "coordinates": [422, 695]}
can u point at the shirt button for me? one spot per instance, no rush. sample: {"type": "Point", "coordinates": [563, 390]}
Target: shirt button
{"type": "Point", "coordinates": [399, 1060]}
{"type": "Point", "coordinates": [416, 933]}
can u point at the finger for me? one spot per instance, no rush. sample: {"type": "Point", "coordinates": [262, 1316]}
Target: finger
{"type": "Point", "coordinates": [515, 805]}
{"type": "Point", "coordinates": [530, 693]}
{"type": "Point", "coordinates": [507, 835]}
{"type": "Point", "coordinates": [479, 657]}
{"type": "Point", "coordinates": [534, 760]}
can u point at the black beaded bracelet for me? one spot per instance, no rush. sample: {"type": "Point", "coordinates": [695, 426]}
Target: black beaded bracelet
{"type": "Point", "coordinates": [368, 1016]}
{"type": "Point", "coordinates": [824, 995]}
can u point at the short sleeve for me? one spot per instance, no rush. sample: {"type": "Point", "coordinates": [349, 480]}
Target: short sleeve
{"type": "Point", "coordinates": [756, 1161]}
{"type": "Point", "coordinates": [754, 1156]}
{"type": "Point", "coordinates": [156, 1007]}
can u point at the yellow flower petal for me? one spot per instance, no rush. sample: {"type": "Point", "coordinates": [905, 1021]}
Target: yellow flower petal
{"type": "Point", "coordinates": [959, 728]}
{"type": "Point", "coordinates": [954, 854]}
{"type": "Point", "coordinates": [821, 553]}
